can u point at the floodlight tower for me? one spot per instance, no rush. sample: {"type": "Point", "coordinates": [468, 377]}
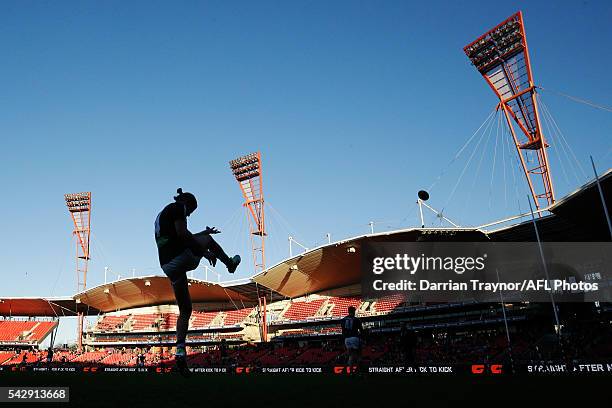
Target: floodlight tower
{"type": "Point", "coordinates": [247, 170]}
{"type": "Point", "coordinates": [79, 206]}
{"type": "Point", "coordinates": [502, 58]}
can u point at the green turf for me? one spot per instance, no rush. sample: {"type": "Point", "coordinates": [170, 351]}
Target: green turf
{"type": "Point", "coordinates": [115, 390]}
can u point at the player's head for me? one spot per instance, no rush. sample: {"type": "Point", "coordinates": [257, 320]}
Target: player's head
{"type": "Point", "coordinates": [187, 199]}
{"type": "Point", "coordinates": [351, 310]}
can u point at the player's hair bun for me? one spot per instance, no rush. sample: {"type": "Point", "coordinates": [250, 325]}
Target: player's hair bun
{"type": "Point", "coordinates": [179, 191]}
{"type": "Point", "coordinates": [185, 197]}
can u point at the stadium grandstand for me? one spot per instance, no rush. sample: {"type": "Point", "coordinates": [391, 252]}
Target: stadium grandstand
{"type": "Point", "coordinates": [25, 332]}
{"type": "Point", "coordinates": [306, 296]}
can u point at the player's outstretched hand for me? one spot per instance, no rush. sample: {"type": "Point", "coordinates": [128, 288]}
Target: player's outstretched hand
{"type": "Point", "coordinates": [212, 230]}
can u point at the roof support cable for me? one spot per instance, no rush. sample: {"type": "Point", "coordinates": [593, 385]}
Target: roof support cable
{"type": "Point", "coordinates": [476, 173]}
{"type": "Point", "coordinates": [230, 298]}
{"type": "Point", "coordinates": [467, 164]}
{"type": "Point", "coordinates": [503, 155]}
{"type": "Point", "coordinates": [72, 313]}
{"type": "Point", "coordinates": [579, 100]}
{"type": "Point", "coordinates": [555, 142]}
{"type": "Point", "coordinates": [554, 122]}
{"type": "Point", "coordinates": [564, 147]}
{"type": "Point", "coordinates": [494, 162]}
{"type": "Point", "coordinates": [514, 166]}
{"type": "Point", "coordinates": [461, 149]}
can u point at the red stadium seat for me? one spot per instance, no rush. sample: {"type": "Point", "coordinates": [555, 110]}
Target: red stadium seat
{"type": "Point", "coordinates": [40, 331]}
{"type": "Point", "coordinates": [90, 357]}
{"type": "Point", "coordinates": [15, 330]}
{"type": "Point", "coordinates": [111, 323]}
{"type": "Point", "coordinates": [303, 310]}
{"type": "Point", "coordinates": [141, 322]}
{"type": "Point", "coordinates": [119, 359]}
{"type": "Point", "coordinates": [168, 321]}
{"type": "Point", "coordinates": [234, 317]}
{"type": "Point", "coordinates": [389, 303]}
{"type": "Point", "coordinates": [21, 331]}
{"type": "Point", "coordinates": [5, 356]}
{"type": "Point", "coordinates": [341, 305]}
{"type": "Point", "coordinates": [202, 319]}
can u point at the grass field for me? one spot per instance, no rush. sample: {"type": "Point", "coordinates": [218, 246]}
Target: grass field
{"type": "Point", "coordinates": [223, 390]}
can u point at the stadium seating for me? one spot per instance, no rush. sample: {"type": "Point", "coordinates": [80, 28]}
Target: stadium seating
{"type": "Point", "coordinates": [248, 355]}
{"type": "Point", "coordinates": [389, 303]}
{"type": "Point", "coordinates": [20, 331]}
{"type": "Point", "coordinates": [303, 310]}
{"type": "Point", "coordinates": [119, 359]}
{"type": "Point", "coordinates": [15, 330]}
{"type": "Point", "coordinates": [234, 336]}
{"type": "Point", "coordinates": [90, 357]}
{"type": "Point", "coordinates": [279, 357]}
{"type": "Point", "coordinates": [59, 356]}
{"type": "Point", "coordinates": [11, 358]}
{"type": "Point", "coordinates": [111, 323]}
{"type": "Point", "coordinates": [486, 344]}
{"type": "Point", "coordinates": [234, 317]}
{"type": "Point", "coordinates": [315, 356]}
{"type": "Point", "coordinates": [320, 331]}
{"type": "Point", "coordinates": [297, 333]}
{"type": "Point", "coordinates": [338, 307]}
{"type": "Point", "coordinates": [372, 352]}
{"type": "Point", "coordinates": [153, 359]}
{"type": "Point", "coordinates": [216, 336]}
{"type": "Point", "coordinates": [143, 321]}
{"type": "Point", "coordinates": [40, 331]}
{"type": "Point", "coordinates": [5, 356]}
{"type": "Point", "coordinates": [30, 357]}
{"type": "Point", "coordinates": [202, 319]}
{"type": "Point", "coordinates": [110, 339]}
{"type": "Point", "coordinates": [168, 321]}
{"type": "Point", "coordinates": [333, 307]}
{"type": "Point", "coordinates": [202, 359]}
{"type": "Point", "coordinates": [341, 305]}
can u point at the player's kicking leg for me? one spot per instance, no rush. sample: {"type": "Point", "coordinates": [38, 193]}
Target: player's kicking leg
{"type": "Point", "coordinates": [214, 251]}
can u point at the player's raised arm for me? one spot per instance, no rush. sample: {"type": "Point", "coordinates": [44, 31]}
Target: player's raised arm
{"type": "Point", "coordinates": [187, 237]}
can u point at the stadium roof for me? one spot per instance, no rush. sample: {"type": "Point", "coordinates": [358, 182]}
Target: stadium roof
{"type": "Point", "coordinates": [337, 265]}
{"type": "Point", "coordinates": [579, 216]}
{"type": "Point", "coordinates": [51, 307]}
{"type": "Point", "coordinates": [155, 290]}
{"type": "Point", "coordinates": [253, 290]}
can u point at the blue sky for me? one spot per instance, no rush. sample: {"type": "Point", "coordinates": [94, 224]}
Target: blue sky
{"type": "Point", "coordinates": [355, 105]}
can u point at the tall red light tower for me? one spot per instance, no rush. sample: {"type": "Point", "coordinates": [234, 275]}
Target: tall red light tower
{"type": "Point", "coordinates": [502, 58]}
{"type": "Point", "coordinates": [247, 170]}
{"type": "Point", "coordinates": [79, 206]}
